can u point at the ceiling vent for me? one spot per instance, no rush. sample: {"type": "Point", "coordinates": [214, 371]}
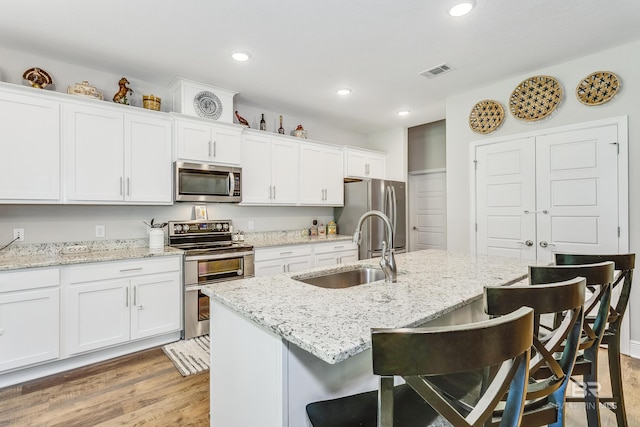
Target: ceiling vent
{"type": "Point", "coordinates": [436, 71]}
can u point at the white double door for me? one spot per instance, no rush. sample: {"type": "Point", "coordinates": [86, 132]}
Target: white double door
{"type": "Point", "coordinates": [558, 192]}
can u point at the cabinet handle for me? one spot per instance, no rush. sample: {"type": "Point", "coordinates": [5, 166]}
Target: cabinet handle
{"type": "Point", "coordinates": [286, 253]}
{"type": "Point", "coordinates": [135, 295]}
{"type": "Point", "coordinates": [338, 247]}
{"type": "Point", "coordinates": [284, 268]}
{"type": "Point", "coordinates": [121, 186]}
{"type": "Point", "coordinates": [128, 186]}
{"type": "Point", "coordinates": [274, 192]}
{"type": "Point", "coordinates": [209, 148]}
{"type": "Point", "coordinates": [124, 270]}
{"type": "Point", "coordinates": [339, 260]}
{"type": "Point", "coordinates": [126, 297]}
{"type": "Point", "coordinates": [214, 149]}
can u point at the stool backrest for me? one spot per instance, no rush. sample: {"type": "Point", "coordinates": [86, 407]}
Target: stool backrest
{"type": "Point", "coordinates": [564, 299]}
{"type": "Point", "coordinates": [417, 353]}
{"type": "Point", "coordinates": [624, 264]}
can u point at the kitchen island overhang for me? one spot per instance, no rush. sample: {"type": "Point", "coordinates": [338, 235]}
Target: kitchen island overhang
{"type": "Point", "coordinates": [276, 336]}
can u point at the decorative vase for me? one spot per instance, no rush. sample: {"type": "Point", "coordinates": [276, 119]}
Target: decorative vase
{"type": "Point", "coordinates": [156, 238]}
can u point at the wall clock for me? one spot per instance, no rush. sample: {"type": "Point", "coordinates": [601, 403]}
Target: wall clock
{"type": "Point", "coordinates": [206, 104]}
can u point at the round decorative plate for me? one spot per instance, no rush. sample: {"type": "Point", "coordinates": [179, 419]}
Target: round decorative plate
{"type": "Point", "coordinates": [597, 88]}
{"type": "Point", "coordinates": [207, 105]}
{"type": "Point", "coordinates": [535, 98]}
{"type": "Point", "coordinates": [486, 116]}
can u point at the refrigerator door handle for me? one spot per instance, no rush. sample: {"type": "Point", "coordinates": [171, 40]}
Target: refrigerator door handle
{"type": "Point", "coordinates": [394, 202]}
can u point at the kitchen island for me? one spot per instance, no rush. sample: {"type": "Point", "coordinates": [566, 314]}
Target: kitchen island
{"type": "Point", "coordinates": [278, 343]}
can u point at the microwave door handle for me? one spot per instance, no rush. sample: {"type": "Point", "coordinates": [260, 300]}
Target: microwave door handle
{"type": "Point", "coordinates": [232, 183]}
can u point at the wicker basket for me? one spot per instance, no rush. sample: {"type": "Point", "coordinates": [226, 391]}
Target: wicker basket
{"type": "Point", "coordinates": [535, 98]}
{"type": "Point", "coordinates": [486, 116]}
{"type": "Point", "coordinates": [151, 102]}
{"type": "Point", "coordinates": [597, 88]}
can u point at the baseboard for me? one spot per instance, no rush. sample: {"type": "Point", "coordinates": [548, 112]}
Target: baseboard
{"type": "Point", "coordinates": [634, 349]}
{"type": "Point", "coordinates": [57, 366]}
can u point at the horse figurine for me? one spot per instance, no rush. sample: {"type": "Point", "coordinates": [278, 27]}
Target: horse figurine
{"type": "Point", "coordinates": [121, 96]}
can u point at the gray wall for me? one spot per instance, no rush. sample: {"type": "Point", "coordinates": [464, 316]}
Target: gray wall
{"type": "Point", "coordinates": [427, 146]}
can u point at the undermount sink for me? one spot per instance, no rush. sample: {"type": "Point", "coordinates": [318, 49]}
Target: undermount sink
{"type": "Point", "coordinates": [343, 279]}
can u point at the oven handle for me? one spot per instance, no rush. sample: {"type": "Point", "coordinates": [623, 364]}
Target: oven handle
{"type": "Point", "coordinates": [220, 256]}
{"type": "Point", "coordinates": [191, 288]}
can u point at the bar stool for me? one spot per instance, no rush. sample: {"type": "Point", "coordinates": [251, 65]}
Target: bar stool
{"type": "Point", "coordinates": [624, 265]}
{"type": "Point", "coordinates": [598, 277]}
{"type": "Point", "coordinates": [417, 354]}
{"type": "Point", "coordinates": [548, 375]}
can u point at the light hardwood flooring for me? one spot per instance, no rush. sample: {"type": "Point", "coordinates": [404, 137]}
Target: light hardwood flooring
{"type": "Point", "coordinates": [144, 389]}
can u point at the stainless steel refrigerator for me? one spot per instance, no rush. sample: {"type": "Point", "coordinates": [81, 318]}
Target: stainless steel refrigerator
{"type": "Point", "coordinates": [374, 194]}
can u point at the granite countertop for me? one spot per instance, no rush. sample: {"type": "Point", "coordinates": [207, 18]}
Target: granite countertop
{"type": "Point", "coordinates": [289, 237]}
{"type": "Point", "coordinates": [53, 254]}
{"type": "Point", "coordinates": [335, 324]}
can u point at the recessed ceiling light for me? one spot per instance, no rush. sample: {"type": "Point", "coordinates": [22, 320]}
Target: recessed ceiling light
{"type": "Point", "coordinates": [343, 92]}
{"type": "Point", "coordinates": [404, 112]}
{"type": "Point", "coordinates": [240, 56]}
{"type": "Point", "coordinates": [461, 7]}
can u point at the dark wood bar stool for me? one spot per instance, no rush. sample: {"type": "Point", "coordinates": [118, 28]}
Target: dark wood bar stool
{"type": "Point", "coordinates": [549, 374]}
{"type": "Point", "coordinates": [599, 277]}
{"type": "Point", "coordinates": [624, 265]}
{"type": "Point", "coordinates": [417, 354]}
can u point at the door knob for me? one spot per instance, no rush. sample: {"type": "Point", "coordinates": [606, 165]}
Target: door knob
{"type": "Point", "coordinates": [414, 228]}
{"type": "Point", "coordinates": [526, 243]}
{"type": "Point", "coordinates": [544, 244]}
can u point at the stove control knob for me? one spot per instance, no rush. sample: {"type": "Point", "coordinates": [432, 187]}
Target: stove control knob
{"type": "Point", "coordinates": [218, 226]}
{"type": "Point", "coordinates": [177, 228]}
{"type": "Point", "coordinates": [225, 226]}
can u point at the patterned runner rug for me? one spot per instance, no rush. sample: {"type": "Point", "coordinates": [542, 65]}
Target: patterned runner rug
{"type": "Point", "coordinates": [189, 356]}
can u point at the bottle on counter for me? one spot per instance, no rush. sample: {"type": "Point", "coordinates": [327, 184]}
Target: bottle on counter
{"type": "Point", "coordinates": [313, 231]}
{"type": "Point", "coordinates": [322, 231]}
{"type": "Point", "coordinates": [263, 124]}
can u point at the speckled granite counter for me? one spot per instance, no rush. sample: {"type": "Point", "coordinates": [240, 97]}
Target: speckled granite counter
{"type": "Point", "coordinates": [289, 237]}
{"type": "Point", "coordinates": [52, 254]}
{"type": "Point", "coordinates": [334, 324]}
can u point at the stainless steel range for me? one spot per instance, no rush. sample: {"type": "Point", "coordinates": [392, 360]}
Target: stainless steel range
{"type": "Point", "coordinates": [211, 256]}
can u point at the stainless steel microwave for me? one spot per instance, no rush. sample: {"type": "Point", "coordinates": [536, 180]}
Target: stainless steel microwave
{"type": "Point", "coordinates": [201, 182]}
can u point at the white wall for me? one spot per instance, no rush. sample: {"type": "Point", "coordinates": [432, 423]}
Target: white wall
{"type": "Point", "coordinates": [427, 146]}
{"type": "Point", "coordinates": [394, 143]}
{"type": "Point", "coordinates": [47, 223]}
{"type": "Point", "coordinates": [624, 61]}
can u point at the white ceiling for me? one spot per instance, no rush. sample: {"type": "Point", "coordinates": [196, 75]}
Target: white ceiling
{"type": "Point", "coordinates": [303, 50]}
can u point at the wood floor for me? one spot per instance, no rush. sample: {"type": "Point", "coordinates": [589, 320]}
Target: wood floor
{"type": "Point", "coordinates": [144, 389]}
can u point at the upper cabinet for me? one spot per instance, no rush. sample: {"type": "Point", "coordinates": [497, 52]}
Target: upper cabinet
{"type": "Point", "coordinates": [321, 179]}
{"type": "Point", "coordinates": [269, 170]}
{"type": "Point", "coordinates": [30, 148]}
{"type": "Point", "coordinates": [197, 140]}
{"type": "Point", "coordinates": [361, 163]}
{"type": "Point", "coordinates": [115, 157]}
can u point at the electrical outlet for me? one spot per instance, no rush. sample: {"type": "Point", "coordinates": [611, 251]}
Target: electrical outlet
{"type": "Point", "coordinates": [250, 225]}
{"type": "Point", "coordinates": [18, 233]}
{"type": "Point", "coordinates": [100, 231]}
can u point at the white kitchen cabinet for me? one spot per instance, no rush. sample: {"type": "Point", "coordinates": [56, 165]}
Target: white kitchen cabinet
{"type": "Point", "coordinates": [207, 142]}
{"type": "Point", "coordinates": [321, 175]}
{"type": "Point", "coordinates": [112, 303]}
{"type": "Point", "coordinates": [334, 253]}
{"type": "Point", "coordinates": [113, 157]}
{"type": "Point", "coordinates": [29, 148]}
{"type": "Point", "coordinates": [283, 259]}
{"type": "Point", "coordinates": [361, 163]}
{"type": "Point", "coordinates": [269, 170]}
{"type": "Point", "coordinates": [29, 317]}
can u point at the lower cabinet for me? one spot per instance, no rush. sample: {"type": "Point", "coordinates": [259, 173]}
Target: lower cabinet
{"type": "Point", "coordinates": [283, 259]}
{"type": "Point", "coordinates": [116, 302]}
{"type": "Point", "coordinates": [335, 253]}
{"type": "Point", "coordinates": [29, 317]}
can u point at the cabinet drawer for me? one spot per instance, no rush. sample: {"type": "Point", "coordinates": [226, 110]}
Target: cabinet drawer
{"type": "Point", "coordinates": [29, 279]}
{"type": "Point", "coordinates": [324, 248]}
{"type": "Point", "coordinates": [283, 252]}
{"type": "Point", "coordinates": [112, 270]}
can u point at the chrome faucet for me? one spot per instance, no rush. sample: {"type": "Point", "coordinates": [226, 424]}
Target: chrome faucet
{"type": "Point", "coordinates": [387, 262]}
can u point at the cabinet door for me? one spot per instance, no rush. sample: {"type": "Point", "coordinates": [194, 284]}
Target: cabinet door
{"type": "Point", "coordinates": [375, 165]}
{"type": "Point", "coordinates": [323, 260]}
{"type": "Point", "coordinates": [348, 256]}
{"type": "Point", "coordinates": [29, 149]}
{"type": "Point", "coordinates": [267, 268]}
{"type": "Point", "coordinates": [333, 178]}
{"type": "Point", "coordinates": [94, 154]}
{"type": "Point", "coordinates": [155, 307]}
{"type": "Point", "coordinates": [356, 164]}
{"type": "Point", "coordinates": [193, 140]}
{"type": "Point", "coordinates": [148, 172]}
{"type": "Point", "coordinates": [226, 146]}
{"type": "Point", "coordinates": [312, 175]}
{"type": "Point", "coordinates": [256, 170]}
{"type": "Point", "coordinates": [29, 327]}
{"type": "Point", "coordinates": [97, 314]}
{"type": "Point", "coordinates": [299, 263]}
{"type": "Point", "coordinates": [284, 172]}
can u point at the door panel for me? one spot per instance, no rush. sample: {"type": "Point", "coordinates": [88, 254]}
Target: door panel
{"type": "Point", "coordinates": [577, 185]}
{"type": "Point", "coordinates": [505, 199]}
{"type": "Point", "coordinates": [428, 213]}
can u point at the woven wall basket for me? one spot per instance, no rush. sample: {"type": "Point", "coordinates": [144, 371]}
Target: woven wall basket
{"type": "Point", "coordinates": [597, 88]}
{"type": "Point", "coordinates": [535, 98]}
{"type": "Point", "coordinates": [486, 116]}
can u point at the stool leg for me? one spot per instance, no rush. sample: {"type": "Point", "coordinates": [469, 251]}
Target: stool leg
{"type": "Point", "coordinates": [615, 373]}
{"type": "Point", "coordinates": [591, 401]}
